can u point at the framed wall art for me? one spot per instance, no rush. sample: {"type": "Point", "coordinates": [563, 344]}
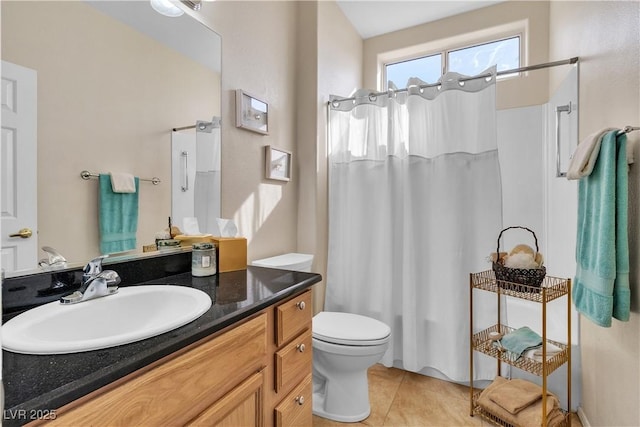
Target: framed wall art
{"type": "Point", "coordinates": [277, 164]}
{"type": "Point", "coordinates": [251, 113]}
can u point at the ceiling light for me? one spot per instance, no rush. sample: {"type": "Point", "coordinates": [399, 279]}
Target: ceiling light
{"type": "Point", "coordinates": [166, 8]}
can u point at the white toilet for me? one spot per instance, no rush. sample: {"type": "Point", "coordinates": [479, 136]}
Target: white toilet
{"type": "Point", "coordinates": [345, 345]}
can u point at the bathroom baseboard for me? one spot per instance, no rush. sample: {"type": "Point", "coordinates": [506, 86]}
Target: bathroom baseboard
{"type": "Point", "coordinates": [583, 417]}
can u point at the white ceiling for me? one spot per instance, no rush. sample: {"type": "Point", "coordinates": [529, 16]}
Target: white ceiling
{"type": "Point", "coordinates": [374, 17]}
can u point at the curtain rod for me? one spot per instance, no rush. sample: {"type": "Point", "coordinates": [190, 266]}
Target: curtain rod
{"type": "Point", "coordinates": [569, 61]}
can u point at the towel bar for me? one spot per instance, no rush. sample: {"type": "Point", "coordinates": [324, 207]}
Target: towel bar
{"type": "Point", "coordinates": [559, 110]}
{"type": "Point", "coordinates": [88, 175]}
{"type": "Point", "coordinates": [627, 129]}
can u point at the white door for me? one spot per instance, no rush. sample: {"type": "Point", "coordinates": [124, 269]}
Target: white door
{"type": "Point", "coordinates": [18, 163]}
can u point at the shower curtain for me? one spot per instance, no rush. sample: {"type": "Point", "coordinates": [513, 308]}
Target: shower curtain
{"type": "Point", "coordinates": [414, 207]}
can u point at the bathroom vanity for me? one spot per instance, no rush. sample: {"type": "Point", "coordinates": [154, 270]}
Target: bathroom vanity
{"type": "Point", "coordinates": [246, 361]}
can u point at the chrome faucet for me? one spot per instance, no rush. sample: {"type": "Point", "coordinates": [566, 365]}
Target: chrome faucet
{"type": "Point", "coordinates": [96, 283]}
{"type": "Point", "coordinates": [54, 259]}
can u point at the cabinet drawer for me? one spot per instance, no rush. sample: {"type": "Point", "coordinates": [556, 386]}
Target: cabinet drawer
{"type": "Point", "coordinates": [296, 409]}
{"type": "Point", "coordinates": [292, 317]}
{"type": "Point", "coordinates": [293, 361]}
{"type": "Point", "coordinates": [200, 376]}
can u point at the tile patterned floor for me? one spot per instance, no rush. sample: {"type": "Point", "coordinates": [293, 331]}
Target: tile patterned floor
{"type": "Point", "coordinates": [399, 398]}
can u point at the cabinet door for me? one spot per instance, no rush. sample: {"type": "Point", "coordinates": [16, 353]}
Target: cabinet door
{"type": "Point", "coordinates": [295, 409]}
{"type": "Point", "coordinates": [241, 407]}
{"type": "Point", "coordinates": [175, 392]}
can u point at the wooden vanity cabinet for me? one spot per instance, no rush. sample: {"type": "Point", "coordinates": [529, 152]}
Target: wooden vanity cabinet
{"type": "Point", "coordinates": [178, 391]}
{"type": "Point", "coordinates": [256, 373]}
{"type": "Point", "coordinates": [293, 361]}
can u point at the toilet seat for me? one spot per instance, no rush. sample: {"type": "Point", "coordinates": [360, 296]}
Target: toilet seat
{"type": "Point", "coordinates": [349, 329]}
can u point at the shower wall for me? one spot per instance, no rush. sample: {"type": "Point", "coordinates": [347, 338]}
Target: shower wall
{"type": "Point", "coordinates": [195, 178]}
{"type": "Point", "coordinates": [535, 198]}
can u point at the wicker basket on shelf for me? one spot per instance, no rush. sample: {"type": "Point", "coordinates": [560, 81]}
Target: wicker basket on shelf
{"type": "Point", "coordinates": [525, 276]}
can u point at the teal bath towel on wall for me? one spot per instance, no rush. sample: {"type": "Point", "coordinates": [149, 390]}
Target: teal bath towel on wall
{"type": "Point", "coordinates": [601, 287]}
{"type": "Point", "coordinates": [118, 216]}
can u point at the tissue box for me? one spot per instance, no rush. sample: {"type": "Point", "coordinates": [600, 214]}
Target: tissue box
{"type": "Point", "coordinates": [190, 240]}
{"type": "Point", "coordinates": [231, 253]}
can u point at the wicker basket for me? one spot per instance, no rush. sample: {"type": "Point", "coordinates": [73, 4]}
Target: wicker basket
{"type": "Point", "coordinates": [525, 276]}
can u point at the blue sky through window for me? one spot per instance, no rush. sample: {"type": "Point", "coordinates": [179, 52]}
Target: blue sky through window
{"type": "Point", "coordinates": [468, 61]}
{"type": "Point", "coordinates": [428, 69]}
{"type": "Point", "coordinates": [474, 60]}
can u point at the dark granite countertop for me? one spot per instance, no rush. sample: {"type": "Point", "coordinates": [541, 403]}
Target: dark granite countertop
{"type": "Point", "coordinates": [35, 385]}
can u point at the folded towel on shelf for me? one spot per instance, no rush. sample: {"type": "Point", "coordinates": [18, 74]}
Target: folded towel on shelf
{"type": "Point", "coordinates": [536, 353]}
{"type": "Point", "coordinates": [118, 217]}
{"type": "Point", "coordinates": [515, 395]}
{"type": "Point", "coordinates": [528, 416]}
{"type": "Point", "coordinates": [519, 341]}
{"type": "Point", "coordinates": [123, 182]}
{"type": "Point", "coordinates": [584, 157]}
{"type": "Point", "coordinates": [601, 285]}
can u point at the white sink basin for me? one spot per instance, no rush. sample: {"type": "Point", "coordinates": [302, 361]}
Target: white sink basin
{"type": "Point", "coordinates": [134, 313]}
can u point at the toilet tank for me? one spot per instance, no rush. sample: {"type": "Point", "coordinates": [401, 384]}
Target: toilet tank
{"type": "Point", "coordinates": [290, 261]}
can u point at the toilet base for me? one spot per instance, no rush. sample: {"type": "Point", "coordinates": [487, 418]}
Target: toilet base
{"type": "Point", "coordinates": [343, 399]}
{"type": "Point", "coordinates": [318, 405]}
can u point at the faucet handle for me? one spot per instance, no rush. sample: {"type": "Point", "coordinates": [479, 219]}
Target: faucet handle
{"type": "Point", "coordinates": [94, 266]}
{"type": "Point", "coordinates": [55, 259]}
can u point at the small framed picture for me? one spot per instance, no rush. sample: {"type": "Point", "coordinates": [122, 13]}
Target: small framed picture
{"type": "Point", "coordinates": [251, 113]}
{"type": "Point", "coordinates": [277, 164]}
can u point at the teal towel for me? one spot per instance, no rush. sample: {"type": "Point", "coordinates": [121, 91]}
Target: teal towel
{"type": "Point", "coordinates": [519, 341]}
{"type": "Point", "coordinates": [118, 215]}
{"type": "Point", "coordinates": [601, 286]}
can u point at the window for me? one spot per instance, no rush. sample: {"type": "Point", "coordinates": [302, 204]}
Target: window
{"type": "Point", "coordinates": [475, 59]}
{"type": "Point", "coordinates": [469, 60]}
{"type": "Point", "coordinates": [427, 68]}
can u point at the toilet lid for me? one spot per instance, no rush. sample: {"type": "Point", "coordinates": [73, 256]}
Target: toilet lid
{"type": "Point", "coordinates": [349, 329]}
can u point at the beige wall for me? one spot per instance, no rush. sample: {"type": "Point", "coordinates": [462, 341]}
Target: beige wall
{"type": "Point", "coordinates": [258, 55]}
{"type": "Point", "coordinates": [307, 51]}
{"type": "Point", "coordinates": [340, 50]}
{"type": "Point", "coordinates": [96, 114]}
{"type": "Point", "coordinates": [530, 89]}
{"type": "Point", "coordinates": [606, 37]}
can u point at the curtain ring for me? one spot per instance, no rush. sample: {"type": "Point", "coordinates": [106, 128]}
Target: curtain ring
{"type": "Point", "coordinates": [373, 97]}
{"type": "Point", "coordinates": [335, 104]}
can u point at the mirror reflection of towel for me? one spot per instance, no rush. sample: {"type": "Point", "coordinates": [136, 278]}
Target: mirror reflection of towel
{"type": "Point", "coordinates": [118, 217]}
{"type": "Point", "coordinates": [123, 183]}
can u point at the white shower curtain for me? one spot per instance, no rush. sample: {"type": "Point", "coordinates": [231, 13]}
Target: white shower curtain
{"type": "Point", "coordinates": [414, 207]}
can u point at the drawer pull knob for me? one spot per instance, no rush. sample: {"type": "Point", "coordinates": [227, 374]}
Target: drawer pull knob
{"type": "Point", "coordinates": [301, 305]}
{"type": "Point", "coordinates": [300, 348]}
{"type": "Point", "coordinates": [300, 400]}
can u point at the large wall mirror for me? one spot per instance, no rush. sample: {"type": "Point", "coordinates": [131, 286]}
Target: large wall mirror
{"type": "Point", "coordinates": [105, 82]}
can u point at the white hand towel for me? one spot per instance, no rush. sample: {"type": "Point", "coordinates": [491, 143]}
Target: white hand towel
{"type": "Point", "coordinates": [123, 182]}
{"type": "Point", "coordinates": [536, 353]}
{"type": "Point", "coordinates": [584, 158]}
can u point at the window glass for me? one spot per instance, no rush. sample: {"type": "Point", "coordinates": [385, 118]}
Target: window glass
{"type": "Point", "coordinates": [475, 59]}
{"type": "Point", "coordinates": [428, 69]}
{"type": "Point", "coordinates": [472, 60]}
